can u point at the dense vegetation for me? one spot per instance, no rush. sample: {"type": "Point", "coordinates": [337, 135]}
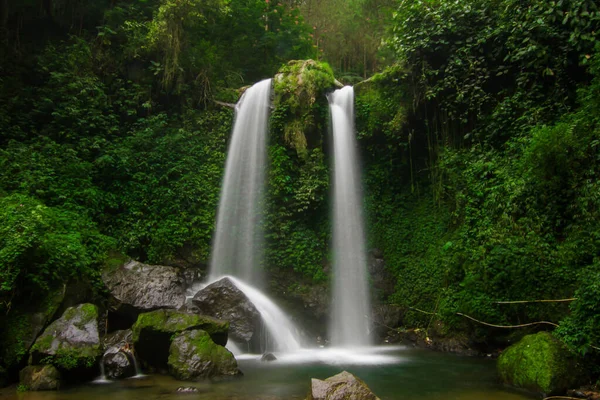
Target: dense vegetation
{"type": "Point", "coordinates": [480, 139]}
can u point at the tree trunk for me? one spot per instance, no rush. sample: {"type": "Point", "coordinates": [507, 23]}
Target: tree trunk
{"type": "Point", "coordinates": [4, 10]}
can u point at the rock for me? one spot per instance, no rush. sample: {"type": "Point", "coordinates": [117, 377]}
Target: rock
{"type": "Point", "coordinates": [540, 363]}
{"type": "Point", "coordinates": [136, 288]}
{"type": "Point", "coordinates": [193, 355]}
{"type": "Point", "coordinates": [40, 377]}
{"type": "Point", "coordinates": [153, 331]}
{"type": "Point", "coordinates": [386, 317]}
{"type": "Point", "coordinates": [343, 386]}
{"type": "Point", "coordinates": [72, 341]}
{"type": "Point", "coordinates": [120, 339]}
{"type": "Point", "coordinates": [22, 326]}
{"type": "Point", "coordinates": [118, 356]}
{"type": "Point", "coordinates": [268, 357]}
{"type": "Point", "coordinates": [187, 389]}
{"type": "Point", "coordinates": [223, 300]}
{"type": "Point", "coordinates": [118, 364]}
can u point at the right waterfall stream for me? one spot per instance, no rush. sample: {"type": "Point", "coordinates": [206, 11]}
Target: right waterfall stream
{"type": "Point", "coordinates": [351, 305]}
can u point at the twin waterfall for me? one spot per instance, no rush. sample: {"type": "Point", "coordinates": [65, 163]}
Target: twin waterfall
{"type": "Point", "coordinates": [351, 306]}
{"type": "Point", "coordinates": [238, 241]}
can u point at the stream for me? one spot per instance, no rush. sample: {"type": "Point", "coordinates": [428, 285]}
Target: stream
{"type": "Point", "coordinates": [392, 373]}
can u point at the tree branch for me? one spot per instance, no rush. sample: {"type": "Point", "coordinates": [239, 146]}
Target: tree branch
{"type": "Point", "coordinates": [534, 301]}
{"type": "Point", "coordinates": [508, 326]}
{"type": "Point", "coordinates": [221, 103]}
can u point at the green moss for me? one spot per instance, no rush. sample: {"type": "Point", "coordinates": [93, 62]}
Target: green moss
{"type": "Point", "coordinates": [300, 88]}
{"type": "Point", "coordinates": [540, 363]}
{"type": "Point", "coordinates": [170, 321]}
{"type": "Point", "coordinates": [114, 261]}
{"type": "Point", "coordinates": [22, 388]}
{"type": "Point", "coordinates": [216, 360]}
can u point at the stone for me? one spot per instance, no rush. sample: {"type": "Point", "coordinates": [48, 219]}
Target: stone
{"type": "Point", "coordinates": [540, 363]}
{"type": "Point", "coordinates": [187, 389]}
{"type": "Point", "coordinates": [223, 300]}
{"type": "Point", "coordinates": [193, 355]}
{"type": "Point", "coordinates": [71, 342]}
{"type": "Point", "coordinates": [153, 331]}
{"type": "Point", "coordinates": [268, 357]}
{"type": "Point", "coordinates": [343, 386]}
{"type": "Point", "coordinates": [136, 288]}
{"type": "Point", "coordinates": [118, 364]}
{"type": "Point", "coordinates": [118, 358]}
{"type": "Point", "coordinates": [40, 377]}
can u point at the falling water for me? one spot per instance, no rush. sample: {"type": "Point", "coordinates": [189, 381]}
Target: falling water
{"type": "Point", "coordinates": [350, 320]}
{"type": "Point", "coordinates": [238, 238]}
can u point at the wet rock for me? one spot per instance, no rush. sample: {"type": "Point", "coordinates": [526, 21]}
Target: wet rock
{"type": "Point", "coordinates": [118, 364]}
{"type": "Point", "coordinates": [193, 355]}
{"type": "Point", "coordinates": [540, 363]}
{"type": "Point", "coordinates": [187, 389]}
{"type": "Point", "coordinates": [40, 377]}
{"type": "Point", "coordinates": [343, 386]}
{"type": "Point", "coordinates": [223, 300]}
{"type": "Point", "coordinates": [386, 318]}
{"type": "Point", "coordinates": [268, 357]}
{"type": "Point", "coordinates": [120, 339]}
{"type": "Point", "coordinates": [153, 331]}
{"type": "Point", "coordinates": [71, 342]}
{"type": "Point", "coordinates": [136, 288]}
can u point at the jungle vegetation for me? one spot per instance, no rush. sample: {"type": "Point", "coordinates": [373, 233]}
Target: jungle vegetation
{"type": "Point", "coordinates": [479, 127]}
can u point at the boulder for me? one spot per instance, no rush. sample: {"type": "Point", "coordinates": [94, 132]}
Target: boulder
{"type": "Point", "coordinates": [153, 331]}
{"type": "Point", "coordinates": [40, 377]}
{"type": "Point", "coordinates": [223, 300]}
{"type": "Point", "coordinates": [118, 359]}
{"type": "Point", "coordinates": [72, 341]}
{"type": "Point", "coordinates": [193, 355]}
{"type": "Point", "coordinates": [343, 386]}
{"type": "Point", "coordinates": [136, 288]}
{"type": "Point", "coordinates": [268, 357]}
{"type": "Point", "coordinates": [118, 364]}
{"type": "Point", "coordinates": [540, 363]}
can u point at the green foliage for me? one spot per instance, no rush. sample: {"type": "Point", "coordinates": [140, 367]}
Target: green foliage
{"type": "Point", "coordinates": [43, 245]}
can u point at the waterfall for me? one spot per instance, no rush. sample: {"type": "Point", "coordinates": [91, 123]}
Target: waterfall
{"type": "Point", "coordinates": [351, 308]}
{"type": "Point", "coordinates": [238, 241]}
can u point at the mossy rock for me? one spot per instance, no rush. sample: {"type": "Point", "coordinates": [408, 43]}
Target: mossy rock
{"type": "Point", "coordinates": [300, 102]}
{"type": "Point", "coordinates": [71, 342]}
{"type": "Point", "coordinates": [153, 332]}
{"type": "Point", "coordinates": [540, 363]}
{"type": "Point", "coordinates": [40, 377]}
{"type": "Point", "coordinates": [193, 355]}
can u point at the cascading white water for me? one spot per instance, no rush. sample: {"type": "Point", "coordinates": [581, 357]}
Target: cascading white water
{"type": "Point", "coordinates": [351, 308]}
{"type": "Point", "coordinates": [281, 332]}
{"type": "Point", "coordinates": [238, 242]}
{"type": "Point", "coordinates": [238, 237]}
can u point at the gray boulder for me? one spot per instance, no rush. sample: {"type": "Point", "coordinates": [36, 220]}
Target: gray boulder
{"type": "Point", "coordinates": [40, 377]}
{"type": "Point", "coordinates": [118, 358]}
{"type": "Point", "coordinates": [118, 364]}
{"type": "Point", "coordinates": [343, 386]}
{"type": "Point", "coordinates": [72, 341]}
{"type": "Point", "coordinates": [136, 288]}
{"type": "Point", "coordinates": [223, 300]}
{"type": "Point", "coordinates": [193, 355]}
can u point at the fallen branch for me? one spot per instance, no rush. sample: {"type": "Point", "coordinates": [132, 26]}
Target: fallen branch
{"type": "Point", "coordinates": [221, 103]}
{"type": "Point", "coordinates": [421, 311]}
{"type": "Point", "coordinates": [508, 326]}
{"type": "Point", "coordinates": [535, 301]}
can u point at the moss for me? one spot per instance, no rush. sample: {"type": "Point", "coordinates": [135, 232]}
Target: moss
{"type": "Point", "coordinates": [540, 363]}
{"type": "Point", "coordinates": [197, 345]}
{"type": "Point", "coordinates": [114, 261]}
{"type": "Point", "coordinates": [170, 321]}
{"type": "Point", "coordinates": [300, 88]}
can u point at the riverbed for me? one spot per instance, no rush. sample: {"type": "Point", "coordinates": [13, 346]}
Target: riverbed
{"type": "Point", "coordinates": [392, 373]}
